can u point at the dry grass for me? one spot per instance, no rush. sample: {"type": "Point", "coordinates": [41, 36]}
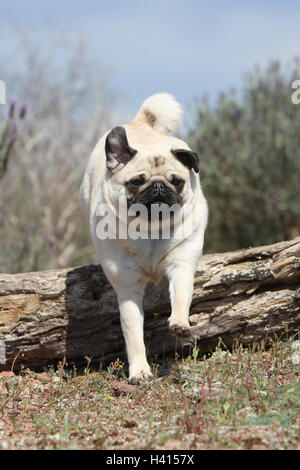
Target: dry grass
{"type": "Point", "coordinates": [243, 399]}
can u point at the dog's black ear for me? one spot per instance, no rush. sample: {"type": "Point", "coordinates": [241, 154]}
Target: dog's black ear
{"type": "Point", "coordinates": [117, 148]}
{"type": "Point", "coordinates": [187, 158]}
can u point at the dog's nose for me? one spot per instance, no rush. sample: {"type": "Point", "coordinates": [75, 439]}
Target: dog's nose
{"type": "Point", "coordinates": [159, 187]}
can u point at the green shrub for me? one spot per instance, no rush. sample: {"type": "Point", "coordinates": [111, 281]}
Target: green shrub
{"type": "Point", "coordinates": [249, 148]}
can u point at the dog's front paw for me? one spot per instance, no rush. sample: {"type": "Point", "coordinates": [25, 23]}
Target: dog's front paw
{"type": "Point", "coordinates": [135, 380]}
{"type": "Point", "coordinates": [138, 374]}
{"type": "Point", "coordinates": [181, 331]}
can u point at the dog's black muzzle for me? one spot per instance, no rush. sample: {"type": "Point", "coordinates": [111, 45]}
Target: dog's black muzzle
{"type": "Point", "coordinates": [156, 193]}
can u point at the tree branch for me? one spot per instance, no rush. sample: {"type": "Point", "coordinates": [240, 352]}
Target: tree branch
{"type": "Point", "coordinates": [246, 296]}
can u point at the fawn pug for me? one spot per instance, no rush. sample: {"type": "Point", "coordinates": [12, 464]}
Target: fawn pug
{"type": "Point", "coordinates": [141, 164]}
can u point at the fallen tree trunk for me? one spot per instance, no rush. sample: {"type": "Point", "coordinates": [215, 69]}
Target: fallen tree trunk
{"type": "Point", "coordinates": [246, 296]}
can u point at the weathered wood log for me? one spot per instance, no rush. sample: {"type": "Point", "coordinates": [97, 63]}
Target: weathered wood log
{"type": "Point", "coordinates": [246, 296]}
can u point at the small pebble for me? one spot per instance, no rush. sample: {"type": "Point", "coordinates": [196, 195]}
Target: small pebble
{"type": "Point", "coordinates": [296, 345]}
{"type": "Point", "coordinates": [296, 358]}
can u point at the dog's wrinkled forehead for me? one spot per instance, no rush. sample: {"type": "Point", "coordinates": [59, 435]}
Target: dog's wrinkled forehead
{"type": "Point", "coordinates": [146, 151]}
{"type": "Point", "coordinates": [156, 161]}
{"type": "Point", "coordinates": [156, 164]}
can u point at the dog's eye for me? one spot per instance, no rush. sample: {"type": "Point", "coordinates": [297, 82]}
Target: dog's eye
{"type": "Point", "coordinates": [177, 182]}
{"type": "Point", "coordinates": [135, 183]}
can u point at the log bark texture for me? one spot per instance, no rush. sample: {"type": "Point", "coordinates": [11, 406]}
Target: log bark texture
{"type": "Point", "coordinates": [246, 296]}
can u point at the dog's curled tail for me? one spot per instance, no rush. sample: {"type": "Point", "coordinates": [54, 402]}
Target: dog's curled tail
{"type": "Point", "coordinates": [161, 111]}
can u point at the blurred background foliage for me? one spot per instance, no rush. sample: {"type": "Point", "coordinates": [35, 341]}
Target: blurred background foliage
{"type": "Point", "coordinates": [249, 148]}
{"type": "Point", "coordinates": [248, 143]}
{"type": "Point", "coordinates": [69, 106]}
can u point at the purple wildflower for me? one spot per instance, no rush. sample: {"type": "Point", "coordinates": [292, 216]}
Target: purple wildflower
{"type": "Point", "coordinates": [23, 111]}
{"type": "Point", "coordinates": [12, 108]}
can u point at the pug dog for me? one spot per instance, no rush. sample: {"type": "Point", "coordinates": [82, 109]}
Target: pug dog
{"type": "Point", "coordinates": [140, 164]}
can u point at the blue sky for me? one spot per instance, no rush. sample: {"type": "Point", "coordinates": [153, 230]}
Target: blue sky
{"type": "Point", "coordinates": [189, 48]}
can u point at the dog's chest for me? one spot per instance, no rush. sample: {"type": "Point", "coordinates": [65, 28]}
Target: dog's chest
{"type": "Point", "coordinates": [148, 256]}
